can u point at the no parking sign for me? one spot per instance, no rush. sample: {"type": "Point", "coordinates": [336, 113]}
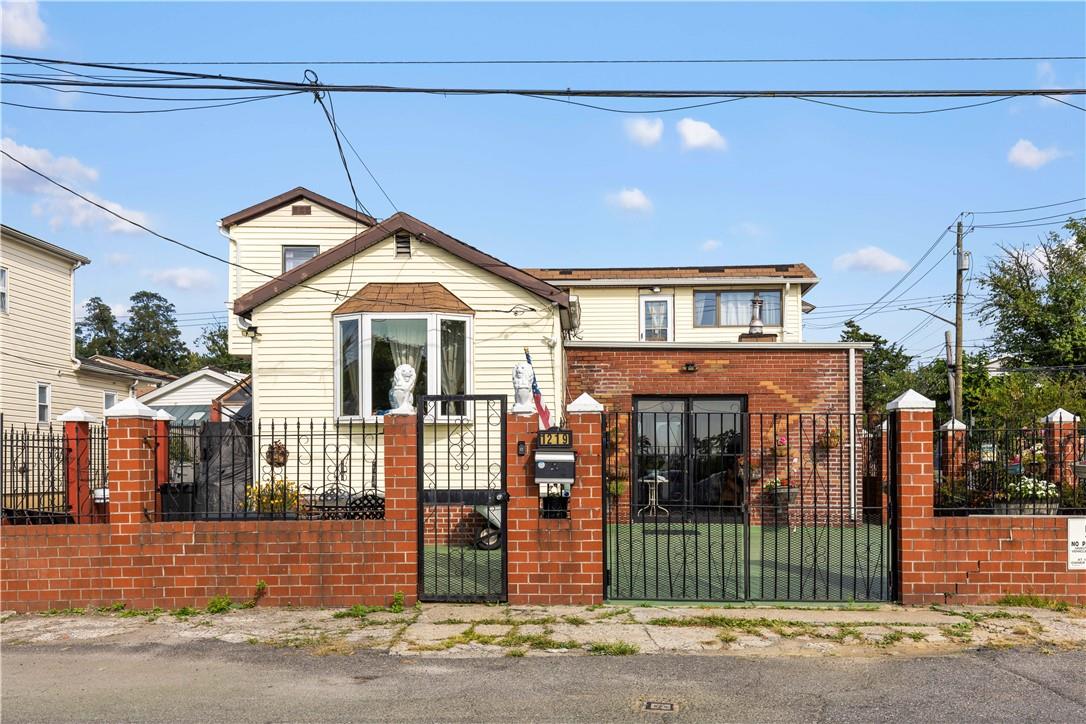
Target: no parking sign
{"type": "Point", "coordinates": [1076, 544]}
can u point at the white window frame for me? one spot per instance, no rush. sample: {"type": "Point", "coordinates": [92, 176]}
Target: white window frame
{"type": "Point", "coordinates": [105, 399]}
{"type": "Point", "coordinates": [719, 314]}
{"type": "Point", "coordinates": [433, 354]}
{"type": "Point", "coordinates": [297, 246]}
{"type": "Point", "coordinates": [48, 402]}
{"type": "Point", "coordinates": [4, 295]}
{"type": "Point", "coordinates": [670, 299]}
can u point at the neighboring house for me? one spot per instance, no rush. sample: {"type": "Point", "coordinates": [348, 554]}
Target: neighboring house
{"type": "Point", "coordinates": [190, 398]}
{"type": "Point", "coordinates": [328, 299]}
{"type": "Point", "coordinates": [40, 376]}
{"type": "Point", "coordinates": [235, 403]}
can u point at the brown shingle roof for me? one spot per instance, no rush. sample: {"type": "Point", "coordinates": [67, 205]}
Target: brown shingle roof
{"type": "Point", "coordinates": [394, 224]}
{"type": "Point", "coordinates": [422, 297]}
{"type": "Point", "coordinates": [125, 365]}
{"type": "Point", "coordinates": [784, 271]}
{"type": "Point", "coordinates": [289, 197]}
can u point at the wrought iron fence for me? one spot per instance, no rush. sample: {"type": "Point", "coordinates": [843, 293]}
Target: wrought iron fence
{"type": "Point", "coordinates": [737, 505]}
{"type": "Point", "coordinates": [47, 476]}
{"type": "Point", "coordinates": [282, 469]}
{"type": "Point", "coordinates": [1009, 471]}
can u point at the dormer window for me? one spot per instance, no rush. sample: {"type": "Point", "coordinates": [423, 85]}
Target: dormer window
{"type": "Point", "coordinates": [403, 245]}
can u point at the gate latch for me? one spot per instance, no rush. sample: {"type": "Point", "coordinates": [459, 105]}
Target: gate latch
{"type": "Point", "coordinates": [501, 497]}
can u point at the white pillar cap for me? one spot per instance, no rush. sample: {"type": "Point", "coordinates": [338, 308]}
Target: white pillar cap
{"type": "Point", "coordinates": [77, 414]}
{"type": "Point", "coordinates": [953, 425]}
{"type": "Point", "coordinates": [163, 415]}
{"type": "Point", "coordinates": [584, 403]}
{"type": "Point", "coordinates": [910, 400]}
{"type": "Point", "coordinates": [1061, 415]}
{"type": "Point", "coordinates": [131, 407]}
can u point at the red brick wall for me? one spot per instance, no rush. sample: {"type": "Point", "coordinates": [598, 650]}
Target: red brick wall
{"type": "Point", "coordinates": [144, 564]}
{"type": "Point", "coordinates": [975, 559]}
{"type": "Point", "coordinates": [555, 561]}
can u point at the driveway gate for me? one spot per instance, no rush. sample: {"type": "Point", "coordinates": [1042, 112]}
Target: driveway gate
{"type": "Point", "coordinates": [462, 498]}
{"type": "Point", "coordinates": [703, 503]}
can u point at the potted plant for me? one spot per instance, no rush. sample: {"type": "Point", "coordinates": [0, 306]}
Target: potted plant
{"type": "Point", "coordinates": [780, 446]}
{"type": "Point", "coordinates": [277, 497]}
{"type": "Point", "coordinates": [615, 488]}
{"type": "Point", "coordinates": [751, 471]}
{"type": "Point", "coordinates": [829, 439]}
{"type": "Point", "coordinates": [1028, 496]}
{"type": "Point", "coordinates": [779, 491]}
{"type": "Point", "coordinates": [1033, 456]}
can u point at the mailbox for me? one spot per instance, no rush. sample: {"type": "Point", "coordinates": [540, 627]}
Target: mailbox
{"type": "Point", "coordinates": [555, 470]}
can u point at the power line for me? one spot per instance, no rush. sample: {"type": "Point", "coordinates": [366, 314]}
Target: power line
{"type": "Point", "coordinates": [1029, 208]}
{"type": "Point", "coordinates": [906, 113]}
{"type": "Point", "coordinates": [1021, 226]}
{"type": "Point", "coordinates": [607, 61]}
{"type": "Point", "coordinates": [145, 110]}
{"type": "Point", "coordinates": [1064, 215]}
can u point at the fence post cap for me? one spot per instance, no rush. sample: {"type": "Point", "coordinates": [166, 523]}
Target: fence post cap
{"type": "Point", "coordinates": [910, 400]}
{"type": "Point", "coordinates": [1061, 415]}
{"type": "Point", "coordinates": [163, 415]}
{"type": "Point", "coordinates": [584, 403]}
{"type": "Point", "coordinates": [953, 424]}
{"type": "Point", "coordinates": [131, 407]}
{"type": "Point", "coordinates": [77, 414]}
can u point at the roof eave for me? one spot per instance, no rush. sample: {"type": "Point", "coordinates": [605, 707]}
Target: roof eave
{"type": "Point", "coordinates": [277, 202]}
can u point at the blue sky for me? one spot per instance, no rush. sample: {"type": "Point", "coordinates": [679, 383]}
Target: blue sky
{"type": "Point", "coordinates": [545, 184]}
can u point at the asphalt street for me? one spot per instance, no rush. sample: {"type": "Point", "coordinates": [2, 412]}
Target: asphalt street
{"type": "Point", "coordinates": [214, 681]}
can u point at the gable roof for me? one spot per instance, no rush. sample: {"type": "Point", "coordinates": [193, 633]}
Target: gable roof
{"type": "Point", "coordinates": [391, 226]}
{"type": "Point", "coordinates": [799, 272]}
{"type": "Point", "coordinates": [115, 364]}
{"type": "Point", "coordinates": [289, 197]}
{"type": "Point", "coordinates": [44, 245]}
{"type": "Point", "coordinates": [226, 379]}
{"type": "Point", "coordinates": [422, 297]}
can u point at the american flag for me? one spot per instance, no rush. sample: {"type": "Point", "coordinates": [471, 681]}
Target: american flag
{"type": "Point", "coordinates": [537, 395]}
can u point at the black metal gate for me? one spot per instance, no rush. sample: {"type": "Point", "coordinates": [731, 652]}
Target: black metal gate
{"type": "Point", "coordinates": [726, 505]}
{"type": "Point", "coordinates": [462, 498]}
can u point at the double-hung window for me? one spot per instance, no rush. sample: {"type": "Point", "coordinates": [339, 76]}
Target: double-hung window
{"type": "Point", "coordinates": [734, 308]}
{"type": "Point", "coordinates": [3, 290]}
{"type": "Point", "coordinates": [109, 399]}
{"type": "Point", "coordinates": [45, 401]}
{"type": "Point", "coordinates": [369, 348]}
{"type": "Point", "coordinates": [296, 255]}
{"type": "Point", "coordinates": [656, 318]}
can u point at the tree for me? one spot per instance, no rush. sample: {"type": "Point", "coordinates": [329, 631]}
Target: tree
{"type": "Point", "coordinates": [98, 332]}
{"type": "Point", "coordinates": [885, 367]}
{"type": "Point", "coordinates": [1036, 300]}
{"type": "Point", "coordinates": [214, 341]}
{"type": "Point", "coordinates": [151, 336]}
{"type": "Point", "coordinates": [1019, 399]}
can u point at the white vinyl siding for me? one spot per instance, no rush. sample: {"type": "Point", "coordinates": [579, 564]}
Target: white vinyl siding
{"type": "Point", "coordinates": [294, 357]}
{"type": "Point", "coordinates": [258, 244]}
{"type": "Point", "coordinates": [36, 338]}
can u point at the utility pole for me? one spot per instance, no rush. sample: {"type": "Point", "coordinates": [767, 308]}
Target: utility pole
{"type": "Point", "coordinates": [951, 379]}
{"type": "Point", "coordinates": [959, 335]}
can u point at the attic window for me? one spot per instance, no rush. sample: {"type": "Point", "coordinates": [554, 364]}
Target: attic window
{"type": "Point", "coordinates": [403, 245]}
{"type": "Point", "coordinates": [301, 210]}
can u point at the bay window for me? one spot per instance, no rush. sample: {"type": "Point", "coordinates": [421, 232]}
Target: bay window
{"type": "Point", "coordinates": [733, 308]}
{"type": "Point", "coordinates": [369, 348]}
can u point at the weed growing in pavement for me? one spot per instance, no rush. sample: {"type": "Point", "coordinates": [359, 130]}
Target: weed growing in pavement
{"type": "Point", "coordinates": [619, 648]}
{"type": "Point", "coordinates": [64, 612]}
{"type": "Point", "coordinates": [727, 637]}
{"type": "Point", "coordinates": [1029, 600]}
{"type": "Point", "coordinates": [219, 604]}
{"type": "Point", "coordinates": [961, 632]}
{"type": "Point", "coordinates": [916, 635]}
{"type": "Point", "coordinates": [185, 612]}
{"type": "Point", "coordinates": [574, 620]}
{"type": "Point", "coordinates": [111, 608]}
{"type": "Point", "coordinates": [515, 653]}
{"type": "Point", "coordinates": [612, 613]}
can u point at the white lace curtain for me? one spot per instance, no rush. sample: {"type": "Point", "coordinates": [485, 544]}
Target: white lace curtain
{"type": "Point", "coordinates": [453, 344]}
{"type": "Point", "coordinates": [407, 339]}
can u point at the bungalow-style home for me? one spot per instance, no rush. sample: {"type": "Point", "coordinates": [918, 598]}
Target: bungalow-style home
{"type": "Point", "coordinates": [190, 398]}
{"type": "Point", "coordinates": [329, 301]}
{"type": "Point", "coordinates": [40, 375]}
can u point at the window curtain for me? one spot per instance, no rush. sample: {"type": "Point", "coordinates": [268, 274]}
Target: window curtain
{"type": "Point", "coordinates": [735, 308]}
{"type": "Point", "coordinates": [453, 357]}
{"type": "Point", "coordinates": [350, 382]}
{"type": "Point", "coordinates": [407, 340]}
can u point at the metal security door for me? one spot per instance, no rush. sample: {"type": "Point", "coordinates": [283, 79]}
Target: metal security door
{"type": "Point", "coordinates": [462, 498]}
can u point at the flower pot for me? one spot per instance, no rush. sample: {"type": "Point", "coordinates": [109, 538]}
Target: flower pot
{"type": "Point", "coordinates": [1015, 468]}
{"type": "Point", "coordinates": [780, 450]}
{"type": "Point", "coordinates": [100, 495]}
{"type": "Point", "coordinates": [1027, 507]}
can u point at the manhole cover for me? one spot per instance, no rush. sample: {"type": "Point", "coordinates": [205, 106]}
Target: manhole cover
{"type": "Point", "coordinates": [660, 706]}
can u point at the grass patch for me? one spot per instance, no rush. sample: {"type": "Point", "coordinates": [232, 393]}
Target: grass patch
{"type": "Point", "coordinates": [574, 620]}
{"type": "Point", "coordinates": [960, 632]}
{"type": "Point", "coordinates": [150, 613]}
{"type": "Point", "coordinates": [620, 648]}
{"type": "Point", "coordinates": [185, 612]}
{"type": "Point", "coordinates": [515, 653]}
{"type": "Point", "coordinates": [1029, 600]}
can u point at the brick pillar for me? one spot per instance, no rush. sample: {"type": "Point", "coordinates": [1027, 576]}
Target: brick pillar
{"type": "Point", "coordinates": [131, 429]}
{"type": "Point", "coordinates": [912, 426]}
{"type": "Point", "coordinates": [522, 512]}
{"type": "Point", "coordinates": [162, 447]}
{"type": "Point", "coordinates": [401, 565]}
{"type": "Point", "coordinates": [77, 464]}
{"type": "Point", "coordinates": [586, 508]}
{"type": "Point", "coordinates": [1062, 447]}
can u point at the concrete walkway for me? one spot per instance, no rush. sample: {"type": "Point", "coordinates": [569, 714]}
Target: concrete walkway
{"type": "Point", "coordinates": [464, 630]}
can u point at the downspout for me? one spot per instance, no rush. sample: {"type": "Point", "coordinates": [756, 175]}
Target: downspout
{"type": "Point", "coordinates": [76, 364]}
{"type": "Point", "coordinates": [852, 433]}
{"type": "Point", "coordinates": [233, 258]}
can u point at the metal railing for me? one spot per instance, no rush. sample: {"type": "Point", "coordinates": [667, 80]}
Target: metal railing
{"type": "Point", "coordinates": [281, 469]}
{"type": "Point", "coordinates": [1008, 471]}
{"type": "Point", "coordinates": [48, 477]}
{"type": "Point", "coordinates": [736, 505]}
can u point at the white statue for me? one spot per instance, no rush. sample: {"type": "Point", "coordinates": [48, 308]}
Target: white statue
{"type": "Point", "coordinates": [523, 375]}
{"type": "Point", "coordinates": [400, 396]}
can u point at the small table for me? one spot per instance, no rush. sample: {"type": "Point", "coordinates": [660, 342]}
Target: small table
{"type": "Point", "coordinates": [653, 481]}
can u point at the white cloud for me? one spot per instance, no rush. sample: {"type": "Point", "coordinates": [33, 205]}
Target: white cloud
{"type": "Point", "coordinates": [1026, 155]}
{"type": "Point", "coordinates": [21, 25]}
{"type": "Point", "coordinates": [119, 309]}
{"type": "Point", "coordinates": [869, 258]}
{"type": "Point", "coordinates": [182, 278]}
{"type": "Point", "coordinates": [631, 199]}
{"type": "Point", "coordinates": [60, 207]}
{"type": "Point", "coordinates": [710, 245]}
{"type": "Point", "coordinates": [118, 258]}
{"type": "Point", "coordinates": [645, 131]}
{"type": "Point", "coordinates": [699, 134]}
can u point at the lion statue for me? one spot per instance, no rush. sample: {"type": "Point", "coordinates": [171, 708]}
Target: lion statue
{"type": "Point", "coordinates": [523, 376]}
{"type": "Point", "coordinates": [400, 396]}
